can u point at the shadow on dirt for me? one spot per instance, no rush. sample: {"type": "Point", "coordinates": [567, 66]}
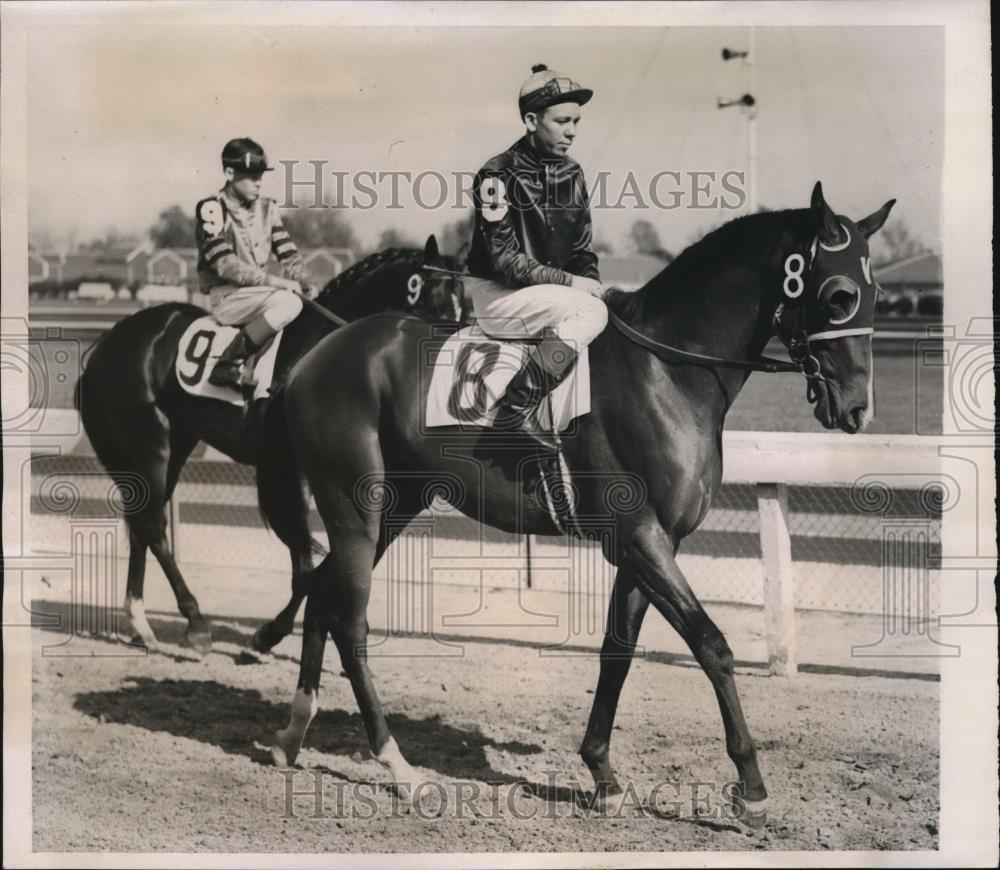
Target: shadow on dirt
{"type": "Point", "coordinates": [111, 626]}
{"type": "Point", "coordinates": [59, 616]}
{"type": "Point", "coordinates": [240, 721]}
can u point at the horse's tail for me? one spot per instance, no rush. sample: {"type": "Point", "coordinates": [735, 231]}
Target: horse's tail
{"type": "Point", "coordinates": [280, 490]}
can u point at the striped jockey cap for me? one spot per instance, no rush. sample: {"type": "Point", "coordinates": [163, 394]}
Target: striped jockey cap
{"type": "Point", "coordinates": [545, 87]}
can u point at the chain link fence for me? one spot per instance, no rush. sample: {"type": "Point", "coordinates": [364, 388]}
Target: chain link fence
{"type": "Point", "coordinates": [849, 544]}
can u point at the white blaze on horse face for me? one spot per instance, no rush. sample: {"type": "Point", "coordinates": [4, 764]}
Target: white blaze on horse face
{"type": "Point", "coordinates": [869, 413]}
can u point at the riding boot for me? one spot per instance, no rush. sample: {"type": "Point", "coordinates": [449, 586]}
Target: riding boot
{"type": "Point", "coordinates": [229, 366]}
{"type": "Point", "coordinates": [548, 364]}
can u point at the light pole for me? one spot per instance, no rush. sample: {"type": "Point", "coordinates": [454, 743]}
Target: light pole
{"type": "Point", "coordinates": [749, 106]}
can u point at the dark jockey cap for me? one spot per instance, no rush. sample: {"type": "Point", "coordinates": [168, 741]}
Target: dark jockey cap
{"type": "Point", "coordinates": [246, 155]}
{"type": "Point", "coordinates": [547, 88]}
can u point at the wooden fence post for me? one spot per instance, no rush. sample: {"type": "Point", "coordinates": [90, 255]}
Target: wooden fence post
{"type": "Point", "coordinates": [779, 581]}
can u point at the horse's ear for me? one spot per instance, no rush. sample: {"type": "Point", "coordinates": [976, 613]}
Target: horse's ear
{"type": "Point", "coordinates": [829, 226]}
{"type": "Point", "coordinates": [431, 249]}
{"type": "Point", "coordinates": [873, 223]}
{"type": "Point", "coordinates": [816, 201]}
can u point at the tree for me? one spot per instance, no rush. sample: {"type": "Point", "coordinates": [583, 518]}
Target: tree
{"type": "Point", "coordinates": [602, 246]}
{"type": "Point", "coordinates": [319, 228]}
{"type": "Point", "coordinates": [174, 228]}
{"type": "Point", "coordinates": [893, 242]}
{"type": "Point", "coordinates": [644, 239]}
{"type": "Point", "coordinates": [113, 237]}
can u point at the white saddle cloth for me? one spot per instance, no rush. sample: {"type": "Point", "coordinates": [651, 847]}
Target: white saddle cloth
{"type": "Point", "coordinates": [199, 348]}
{"type": "Point", "coordinates": [471, 372]}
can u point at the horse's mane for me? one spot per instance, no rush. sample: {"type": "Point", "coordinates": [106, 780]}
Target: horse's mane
{"type": "Point", "coordinates": [363, 268]}
{"type": "Point", "coordinates": [747, 239]}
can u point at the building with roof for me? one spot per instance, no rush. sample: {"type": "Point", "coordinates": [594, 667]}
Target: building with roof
{"type": "Point", "coordinates": [913, 285]}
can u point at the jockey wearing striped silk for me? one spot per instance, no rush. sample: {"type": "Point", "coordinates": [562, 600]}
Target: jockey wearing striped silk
{"type": "Point", "coordinates": [240, 235]}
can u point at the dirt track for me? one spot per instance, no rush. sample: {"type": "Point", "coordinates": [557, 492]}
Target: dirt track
{"type": "Point", "coordinates": [166, 752]}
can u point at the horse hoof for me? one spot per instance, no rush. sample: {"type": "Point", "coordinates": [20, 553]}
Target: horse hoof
{"type": "Point", "coordinates": [251, 655]}
{"type": "Point", "coordinates": [200, 641]}
{"type": "Point", "coordinates": [404, 793]}
{"type": "Point", "coordinates": [752, 814]}
{"type": "Point", "coordinates": [149, 643]}
{"type": "Point", "coordinates": [283, 751]}
{"type": "Point", "coordinates": [610, 804]}
{"type": "Point", "coordinates": [257, 643]}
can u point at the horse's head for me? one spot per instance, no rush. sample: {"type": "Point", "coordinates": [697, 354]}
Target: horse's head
{"type": "Point", "coordinates": [399, 279]}
{"type": "Point", "coordinates": [827, 313]}
{"type": "Point", "coordinates": [435, 289]}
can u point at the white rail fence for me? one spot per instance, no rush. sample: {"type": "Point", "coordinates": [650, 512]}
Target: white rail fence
{"type": "Point", "coordinates": [814, 521]}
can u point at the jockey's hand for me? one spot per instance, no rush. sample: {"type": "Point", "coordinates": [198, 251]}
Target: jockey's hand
{"type": "Point", "coordinates": [288, 284]}
{"type": "Point", "coordinates": [594, 288]}
{"type": "Point", "coordinates": [310, 291]}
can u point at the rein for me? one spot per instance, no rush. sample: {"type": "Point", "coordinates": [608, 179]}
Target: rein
{"type": "Point", "coordinates": [802, 359]}
{"type": "Point", "coordinates": [323, 312]}
{"type": "Point", "coordinates": [444, 271]}
{"type": "Point", "coordinates": [674, 354]}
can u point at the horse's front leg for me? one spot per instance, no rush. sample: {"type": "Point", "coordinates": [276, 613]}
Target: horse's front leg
{"type": "Point", "coordinates": [625, 614]}
{"type": "Point", "coordinates": [650, 554]}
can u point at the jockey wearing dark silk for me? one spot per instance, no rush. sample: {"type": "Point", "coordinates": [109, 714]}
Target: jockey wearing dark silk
{"type": "Point", "coordinates": [532, 259]}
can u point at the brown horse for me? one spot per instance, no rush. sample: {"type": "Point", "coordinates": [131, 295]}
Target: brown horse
{"type": "Point", "coordinates": [141, 423]}
{"type": "Point", "coordinates": [648, 455]}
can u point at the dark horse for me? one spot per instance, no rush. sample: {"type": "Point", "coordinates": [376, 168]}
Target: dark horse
{"type": "Point", "coordinates": [142, 424]}
{"type": "Point", "coordinates": [662, 380]}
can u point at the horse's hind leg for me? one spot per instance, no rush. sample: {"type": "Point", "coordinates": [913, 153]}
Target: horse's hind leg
{"type": "Point", "coordinates": [270, 634]}
{"type": "Point", "coordinates": [337, 602]}
{"type": "Point", "coordinates": [148, 528]}
{"type": "Point", "coordinates": [199, 632]}
{"type": "Point", "coordinates": [348, 605]}
{"type": "Point", "coordinates": [625, 614]}
{"type": "Point", "coordinates": [305, 704]}
{"type": "Point", "coordinates": [141, 631]}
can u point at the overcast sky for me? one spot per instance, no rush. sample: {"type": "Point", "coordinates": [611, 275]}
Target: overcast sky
{"type": "Point", "coordinates": [123, 121]}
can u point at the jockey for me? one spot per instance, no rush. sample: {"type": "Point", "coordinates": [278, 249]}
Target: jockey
{"type": "Point", "coordinates": [238, 231]}
{"type": "Point", "coordinates": [533, 267]}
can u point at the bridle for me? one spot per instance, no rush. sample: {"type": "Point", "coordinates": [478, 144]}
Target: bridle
{"type": "Point", "coordinates": [803, 360]}
{"type": "Point", "coordinates": [415, 286]}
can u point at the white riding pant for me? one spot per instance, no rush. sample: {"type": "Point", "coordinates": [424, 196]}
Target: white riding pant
{"type": "Point", "coordinates": [576, 316]}
{"type": "Point", "coordinates": [235, 306]}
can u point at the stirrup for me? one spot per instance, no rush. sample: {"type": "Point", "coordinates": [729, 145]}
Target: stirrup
{"type": "Point", "coordinates": [553, 470]}
{"type": "Point", "coordinates": [227, 373]}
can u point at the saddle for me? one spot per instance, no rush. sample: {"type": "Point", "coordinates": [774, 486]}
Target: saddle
{"type": "Point", "coordinates": [201, 345]}
{"type": "Point", "coordinates": [468, 376]}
